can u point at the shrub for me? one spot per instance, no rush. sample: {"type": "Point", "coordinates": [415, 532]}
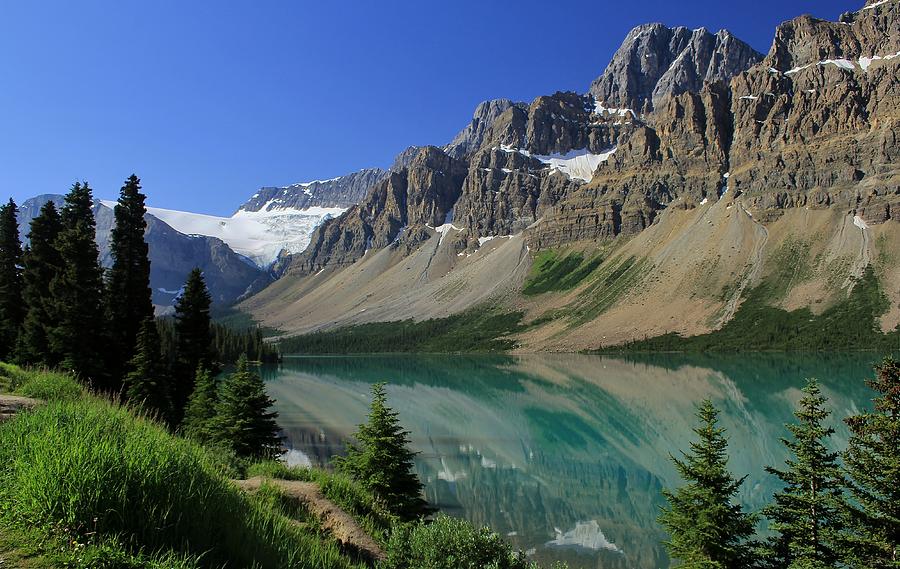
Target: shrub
{"type": "Point", "coordinates": [449, 543]}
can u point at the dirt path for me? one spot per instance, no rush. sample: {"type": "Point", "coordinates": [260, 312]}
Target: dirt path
{"type": "Point", "coordinates": [12, 404]}
{"type": "Point", "coordinates": [334, 520]}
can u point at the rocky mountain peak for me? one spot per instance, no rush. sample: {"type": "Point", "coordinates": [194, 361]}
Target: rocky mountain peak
{"type": "Point", "coordinates": [656, 61]}
{"type": "Point", "coordinates": [471, 138]}
{"type": "Point", "coordinates": [341, 192]}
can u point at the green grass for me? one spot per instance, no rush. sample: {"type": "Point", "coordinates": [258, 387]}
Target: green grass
{"type": "Point", "coordinates": [553, 271]}
{"type": "Point", "coordinates": [373, 517]}
{"type": "Point", "coordinates": [87, 480]}
{"type": "Point", "coordinates": [850, 324]}
{"type": "Point", "coordinates": [480, 329]}
{"type": "Point", "coordinates": [611, 283]}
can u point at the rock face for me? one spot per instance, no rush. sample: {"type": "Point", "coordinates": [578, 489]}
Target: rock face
{"type": "Point", "coordinates": [656, 62]}
{"type": "Point", "coordinates": [402, 206]}
{"type": "Point", "coordinates": [343, 191]}
{"type": "Point", "coordinates": [172, 256]}
{"type": "Point", "coordinates": [472, 137]}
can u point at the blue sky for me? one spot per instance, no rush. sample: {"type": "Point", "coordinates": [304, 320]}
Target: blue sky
{"type": "Point", "coordinates": [206, 101]}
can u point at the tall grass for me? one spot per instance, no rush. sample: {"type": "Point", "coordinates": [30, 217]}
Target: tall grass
{"type": "Point", "coordinates": [88, 467]}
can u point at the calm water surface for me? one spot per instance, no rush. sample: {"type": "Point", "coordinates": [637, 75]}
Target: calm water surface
{"type": "Point", "coordinates": [563, 454]}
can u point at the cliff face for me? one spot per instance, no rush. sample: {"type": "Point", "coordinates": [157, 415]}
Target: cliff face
{"type": "Point", "coordinates": [656, 62]}
{"type": "Point", "coordinates": [693, 156]}
{"type": "Point", "coordinates": [407, 201]}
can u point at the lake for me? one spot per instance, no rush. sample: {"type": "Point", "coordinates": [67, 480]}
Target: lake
{"type": "Point", "coordinates": [563, 454]}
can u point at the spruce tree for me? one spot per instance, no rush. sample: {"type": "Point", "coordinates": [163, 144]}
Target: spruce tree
{"type": "Point", "coordinates": [128, 298]}
{"type": "Point", "coordinates": [12, 311]}
{"type": "Point", "coordinates": [200, 414]}
{"type": "Point", "coordinates": [77, 290]}
{"type": "Point", "coordinates": [244, 421]}
{"type": "Point", "coordinates": [872, 460]}
{"type": "Point", "coordinates": [382, 462]}
{"type": "Point", "coordinates": [43, 263]}
{"type": "Point", "coordinates": [147, 382]}
{"type": "Point", "coordinates": [807, 513]}
{"type": "Point", "coordinates": [707, 528]}
{"type": "Point", "coordinates": [193, 339]}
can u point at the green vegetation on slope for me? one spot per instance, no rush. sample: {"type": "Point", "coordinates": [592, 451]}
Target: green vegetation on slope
{"type": "Point", "coordinates": [84, 474]}
{"type": "Point", "coordinates": [553, 271]}
{"type": "Point", "coordinates": [851, 324]}
{"type": "Point", "coordinates": [476, 330]}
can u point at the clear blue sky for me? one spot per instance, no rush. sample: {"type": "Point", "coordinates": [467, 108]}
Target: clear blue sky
{"type": "Point", "coordinates": [206, 101]}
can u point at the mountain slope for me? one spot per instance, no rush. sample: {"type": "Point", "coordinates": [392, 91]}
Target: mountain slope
{"type": "Point", "coordinates": [781, 173]}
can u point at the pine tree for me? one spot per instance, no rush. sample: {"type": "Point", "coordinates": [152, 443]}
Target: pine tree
{"type": "Point", "coordinates": [707, 528]}
{"type": "Point", "coordinates": [193, 339]}
{"type": "Point", "coordinates": [244, 421]}
{"type": "Point", "coordinates": [873, 463]}
{"type": "Point", "coordinates": [43, 263]}
{"type": "Point", "coordinates": [200, 414]}
{"type": "Point", "coordinates": [382, 461]}
{"type": "Point", "coordinates": [77, 291]}
{"type": "Point", "coordinates": [128, 295]}
{"type": "Point", "coordinates": [147, 382]}
{"type": "Point", "coordinates": [12, 310]}
{"type": "Point", "coordinates": [806, 514]}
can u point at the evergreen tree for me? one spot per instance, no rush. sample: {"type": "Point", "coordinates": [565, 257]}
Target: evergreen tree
{"type": "Point", "coordinates": [706, 528]}
{"type": "Point", "coordinates": [128, 300]}
{"type": "Point", "coordinates": [806, 515]}
{"type": "Point", "coordinates": [147, 382]}
{"type": "Point", "coordinates": [12, 311]}
{"type": "Point", "coordinates": [200, 414]}
{"type": "Point", "coordinates": [193, 340]}
{"type": "Point", "coordinates": [244, 420]}
{"type": "Point", "coordinates": [382, 461]}
{"type": "Point", "coordinates": [77, 290]}
{"type": "Point", "coordinates": [43, 263]}
{"type": "Point", "coordinates": [873, 463]}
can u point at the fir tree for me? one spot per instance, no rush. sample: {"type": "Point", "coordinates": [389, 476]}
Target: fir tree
{"type": "Point", "coordinates": [193, 340]}
{"type": "Point", "coordinates": [873, 463]}
{"type": "Point", "coordinates": [382, 461]}
{"type": "Point", "coordinates": [244, 421]}
{"type": "Point", "coordinates": [200, 414]}
{"type": "Point", "coordinates": [806, 515]}
{"type": "Point", "coordinates": [77, 290]}
{"type": "Point", "coordinates": [707, 528]}
{"type": "Point", "coordinates": [43, 264]}
{"type": "Point", "coordinates": [128, 299]}
{"type": "Point", "coordinates": [147, 382]}
{"type": "Point", "coordinates": [12, 311]}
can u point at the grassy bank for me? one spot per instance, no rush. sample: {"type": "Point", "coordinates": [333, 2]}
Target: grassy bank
{"type": "Point", "coordinates": [476, 330]}
{"type": "Point", "coordinates": [87, 483]}
{"type": "Point", "coordinates": [851, 324]}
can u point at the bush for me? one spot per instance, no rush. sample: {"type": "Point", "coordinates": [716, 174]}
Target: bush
{"type": "Point", "coordinates": [49, 386]}
{"type": "Point", "coordinates": [91, 468]}
{"type": "Point", "coordinates": [449, 543]}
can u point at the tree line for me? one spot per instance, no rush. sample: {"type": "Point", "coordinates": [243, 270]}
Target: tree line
{"type": "Point", "coordinates": [829, 513]}
{"type": "Point", "coordinates": [60, 309]}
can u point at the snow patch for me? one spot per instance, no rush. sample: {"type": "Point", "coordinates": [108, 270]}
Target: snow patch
{"type": "Point", "coordinates": [749, 97]}
{"type": "Point", "coordinates": [876, 4]}
{"type": "Point", "coordinates": [258, 235]}
{"type": "Point", "coordinates": [865, 62]}
{"type": "Point", "coordinates": [577, 164]}
{"type": "Point", "coordinates": [860, 222]}
{"type": "Point", "coordinates": [704, 201]}
{"type": "Point", "coordinates": [586, 535]}
{"type": "Point", "coordinates": [600, 108]}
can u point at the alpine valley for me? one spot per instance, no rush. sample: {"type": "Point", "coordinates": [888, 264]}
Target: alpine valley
{"type": "Point", "coordinates": [695, 180]}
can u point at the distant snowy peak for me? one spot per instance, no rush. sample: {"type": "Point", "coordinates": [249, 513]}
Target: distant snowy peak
{"type": "Point", "coordinates": [260, 236]}
{"type": "Point", "coordinates": [340, 192]}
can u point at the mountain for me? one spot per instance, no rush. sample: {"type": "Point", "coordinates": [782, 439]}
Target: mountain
{"type": "Point", "coordinates": [655, 62]}
{"type": "Point", "coordinates": [656, 203]}
{"type": "Point", "coordinates": [340, 192]}
{"type": "Point", "coordinates": [173, 255]}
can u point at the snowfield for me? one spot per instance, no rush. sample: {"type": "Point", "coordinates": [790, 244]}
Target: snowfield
{"type": "Point", "coordinates": [258, 235]}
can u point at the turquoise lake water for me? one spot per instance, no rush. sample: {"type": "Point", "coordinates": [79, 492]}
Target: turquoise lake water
{"type": "Point", "coordinates": [565, 455]}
